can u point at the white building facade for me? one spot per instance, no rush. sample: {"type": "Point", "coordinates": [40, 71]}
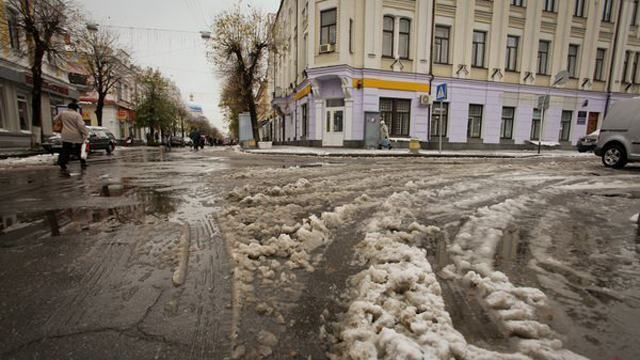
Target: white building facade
{"type": "Point", "coordinates": [344, 63]}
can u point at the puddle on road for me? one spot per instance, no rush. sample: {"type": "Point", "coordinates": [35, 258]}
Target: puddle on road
{"type": "Point", "coordinates": [129, 206]}
{"type": "Point", "coordinates": [462, 304]}
{"type": "Point", "coordinates": [513, 255]}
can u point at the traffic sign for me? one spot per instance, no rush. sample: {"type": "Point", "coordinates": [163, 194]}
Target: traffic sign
{"type": "Point", "coordinates": [441, 92]}
{"type": "Point", "coordinates": [543, 102]}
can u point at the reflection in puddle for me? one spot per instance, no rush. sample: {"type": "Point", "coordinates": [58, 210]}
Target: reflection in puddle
{"type": "Point", "coordinates": [137, 205]}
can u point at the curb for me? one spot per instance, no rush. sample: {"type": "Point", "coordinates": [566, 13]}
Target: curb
{"type": "Point", "coordinates": [389, 155]}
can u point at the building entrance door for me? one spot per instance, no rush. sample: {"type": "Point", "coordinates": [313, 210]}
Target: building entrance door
{"type": "Point", "coordinates": [371, 130]}
{"type": "Point", "coordinates": [333, 127]}
{"type": "Point", "coordinates": [592, 124]}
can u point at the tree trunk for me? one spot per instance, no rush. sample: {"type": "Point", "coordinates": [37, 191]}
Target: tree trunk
{"type": "Point", "coordinates": [254, 118]}
{"type": "Point", "coordinates": [100, 107]}
{"type": "Point", "coordinates": [36, 91]}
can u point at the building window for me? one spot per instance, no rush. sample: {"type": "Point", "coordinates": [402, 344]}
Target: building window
{"type": "Point", "coordinates": [404, 38]}
{"type": "Point", "coordinates": [338, 121]}
{"type": "Point", "coordinates": [543, 57]}
{"type": "Point", "coordinates": [396, 113]}
{"type": "Point", "coordinates": [517, 2]}
{"type": "Point", "coordinates": [439, 118]}
{"type": "Point", "coordinates": [634, 14]}
{"type": "Point", "coordinates": [23, 112]}
{"type": "Point", "coordinates": [634, 69]}
{"type": "Point", "coordinates": [599, 70]}
{"type": "Point", "coordinates": [328, 21]}
{"type": "Point", "coordinates": [474, 129]}
{"type": "Point", "coordinates": [625, 66]}
{"type": "Point", "coordinates": [572, 60]}
{"type": "Point", "coordinates": [442, 45]}
{"type": "Point", "coordinates": [478, 49]}
{"type": "Point", "coordinates": [512, 53]}
{"type": "Point", "coordinates": [3, 125]}
{"type": "Point", "coordinates": [565, 125]}
{"type": "Point", "coordinates": [550, 5]}
{"type": "Point", "coordinates": [14, 30]}
{"type": "Point", "coordinates": [578, 10]}
{"type": "Point", "coordinates": [350, 36]}
{"type": "Point", "coordinates": [506, 127]}
{"type": "Point", "coordinates": [607, 10]}
{"type": "Point", "coordinates": [535, 125]}
{"type": "Point", "coordinates": [387, 36]}
{"type": "Point", "coordinates": [305, 121]}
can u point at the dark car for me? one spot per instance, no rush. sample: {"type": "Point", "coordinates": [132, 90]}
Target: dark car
{"type": "Point", "coordinates": [588, 143]}
{"type": "Point", "coordinates": [100, 138]}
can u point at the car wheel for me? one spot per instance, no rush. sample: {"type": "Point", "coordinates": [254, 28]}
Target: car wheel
{"type": "Point", "coordinates": [110, 149]}
{"type": "Point", "coordinates": [614, 156]}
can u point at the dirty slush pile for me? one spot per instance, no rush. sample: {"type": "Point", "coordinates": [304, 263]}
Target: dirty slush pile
{"type": "Point", "coordinates": [384, 224]}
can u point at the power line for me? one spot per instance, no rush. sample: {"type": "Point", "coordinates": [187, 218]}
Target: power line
{"type": "Point", "coordinates": [150, 29]}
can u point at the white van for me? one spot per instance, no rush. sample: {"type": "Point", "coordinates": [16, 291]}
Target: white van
{"type": "Point", "coordinates": [619, 139]}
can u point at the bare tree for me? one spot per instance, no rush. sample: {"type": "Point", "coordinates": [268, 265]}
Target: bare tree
{"type": "Point", "coordinates": [45, 23]}
{"type": "Point", "coordinates": [99, 54]}
{"type": "Point", "coordinates": [240, 43]}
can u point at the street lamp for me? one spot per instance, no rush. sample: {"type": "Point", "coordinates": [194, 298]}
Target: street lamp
{"type": "Point", "coordinates": [92, 27]}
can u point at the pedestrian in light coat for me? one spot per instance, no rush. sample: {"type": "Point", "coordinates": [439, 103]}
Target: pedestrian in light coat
{"type": "Point", "coordinates": [384, 136]}
{"type": "Point", "coordinates": [74, 134]}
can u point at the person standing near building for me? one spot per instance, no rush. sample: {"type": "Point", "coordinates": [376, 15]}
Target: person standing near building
{"type": "Point", "coordinates": [384, 136]}
{"type": "Point", "coordinates": [74, 134]}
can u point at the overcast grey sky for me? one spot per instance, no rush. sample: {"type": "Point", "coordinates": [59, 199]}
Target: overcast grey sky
{"type": "Point", "coordinates": [180, 54]}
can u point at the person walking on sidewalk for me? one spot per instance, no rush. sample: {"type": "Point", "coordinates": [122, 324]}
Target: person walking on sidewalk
{"type": "Point", "coordinates": [384, 136]}
{"type": "Point", "coordinates": [74, 134]}
{"type": "Point", "coordinates": [195, 137]}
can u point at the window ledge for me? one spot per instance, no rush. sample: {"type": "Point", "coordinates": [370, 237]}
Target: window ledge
{"type": "Point", "coordinates": [512, 71]}
{"type": "Point", "coordinates": [479, 67]}
{"type": "Point", "coordinates": [507, 141]}
{"type": "Point", "coordinates": [475, 140]}
{"type": "Point", "coordinates": [440, 63]}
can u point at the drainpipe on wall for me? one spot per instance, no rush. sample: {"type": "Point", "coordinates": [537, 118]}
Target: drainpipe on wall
{"type": "Point", "coordinates": [613, 54]}
{"type": "Point", "coordinates": [433, 29]}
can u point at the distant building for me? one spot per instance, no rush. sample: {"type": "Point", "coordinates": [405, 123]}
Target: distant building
{"type": "Point", "coordinates": [18, 127]}
{"type": "Point", "coordinates": [345, 62]}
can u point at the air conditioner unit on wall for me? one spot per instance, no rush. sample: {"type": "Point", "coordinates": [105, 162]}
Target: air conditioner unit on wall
{"type": "Point", "coordinates": [327, 48]}
{"type": "Point", "coordinates": [425, 100]}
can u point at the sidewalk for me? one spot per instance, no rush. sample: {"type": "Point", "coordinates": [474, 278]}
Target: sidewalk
{"type": "Point", "coordinates": [20, 153]}
{"type": "Point", "coordinates": [505, 154]}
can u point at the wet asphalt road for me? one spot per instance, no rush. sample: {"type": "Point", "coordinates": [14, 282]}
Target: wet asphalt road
{"type": "Point", "coordinates": [132, 259]}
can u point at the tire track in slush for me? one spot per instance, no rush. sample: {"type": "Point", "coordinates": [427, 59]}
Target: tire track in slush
{"type": "Point", "coordinates": [209, 280]}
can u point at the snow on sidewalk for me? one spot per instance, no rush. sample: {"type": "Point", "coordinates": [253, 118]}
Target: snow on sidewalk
{"type": "Point", "coordinates": [314, 151]}
{"type": "Point", "coordinates": [37, 160]}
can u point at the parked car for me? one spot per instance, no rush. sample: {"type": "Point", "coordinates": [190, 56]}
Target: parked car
{"type": "Point", "coordinates": [188, 141]}
{"type": "Point", "coordinates": [588, 142]}
{"type": "Point", "coordinates": [619, 139]}
{"type": "Point", "coordinates": [100, 138]}
{"type": "Point", "coordinates": [53, 144]}
{"type": "Point", "coordinates": [176, 141]}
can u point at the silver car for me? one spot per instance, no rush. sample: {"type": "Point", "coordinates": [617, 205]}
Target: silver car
{"type": "Point", "coordinates": [619, 139]}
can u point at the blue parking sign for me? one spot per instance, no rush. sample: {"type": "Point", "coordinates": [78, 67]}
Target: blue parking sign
{"type": "Point", "coordinates": [441, 92]}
